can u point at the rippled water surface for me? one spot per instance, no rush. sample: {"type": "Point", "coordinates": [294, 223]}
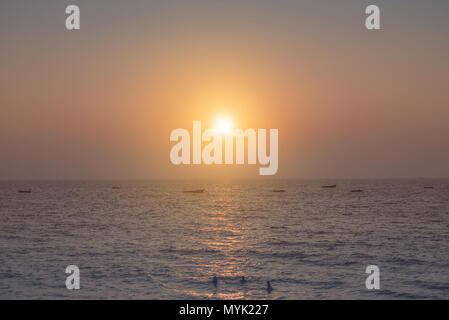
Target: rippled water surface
{"type": "Point", "coordinates": [151, 240]}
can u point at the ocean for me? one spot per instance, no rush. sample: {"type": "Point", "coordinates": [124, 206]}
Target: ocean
{"type": "Point", "coordinates": [151, 240]}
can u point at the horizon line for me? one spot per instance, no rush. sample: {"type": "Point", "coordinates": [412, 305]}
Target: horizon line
{"type": "Point", "coordinates": [211, 179]}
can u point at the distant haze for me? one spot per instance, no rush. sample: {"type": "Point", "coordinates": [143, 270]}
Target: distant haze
{"type": "Point", "coordinates": [100, 103]}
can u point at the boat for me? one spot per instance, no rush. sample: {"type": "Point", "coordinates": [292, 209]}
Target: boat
{"type": "Point", "coordinates": [115, 188]}
{"type": "Point", "coordinates": [24, 191]}
{"type": "Point", "coordinates": [428, 187]}
{"type": "Point", "coordinates": [357, 190]}
{"type": "Point", "coordinates": [329, 186]}
{"type": "Point", "coordinates": [278, 190]}
{"type": "Point", "coordinates": [194, 191]}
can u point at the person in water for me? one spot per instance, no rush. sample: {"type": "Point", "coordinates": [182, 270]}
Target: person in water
{"type": "Point", "coordinates": [243, 280]}
{"type": "Point", "coordinates": [269, 287]}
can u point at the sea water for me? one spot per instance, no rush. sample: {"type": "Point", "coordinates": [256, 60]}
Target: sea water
{"type": "Point", "coordinates": [150, 240]}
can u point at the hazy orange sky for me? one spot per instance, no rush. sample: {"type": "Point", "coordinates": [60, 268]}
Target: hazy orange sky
{"type": "Point", "coordinates": [100, 103]}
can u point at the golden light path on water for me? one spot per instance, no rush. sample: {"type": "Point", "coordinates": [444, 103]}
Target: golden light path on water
{"type": "Point", "coordinates": [227, 242]}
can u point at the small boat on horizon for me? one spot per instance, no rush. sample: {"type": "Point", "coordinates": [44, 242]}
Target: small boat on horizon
{"type": "Point", "coordinates": [357, 190]}
{"type": "Point", "coordinates": [24, 191]}
{"type": "Point", "coordinates": [278, 190]}
{"type": "Point", "coordinates": [329, 186]}
{"type": "Point", "coordinates": [194, 191]}
{"type": "Point", "coordinates": [115, 188]}
{"type": "Point", "coordinates": [428, 187]}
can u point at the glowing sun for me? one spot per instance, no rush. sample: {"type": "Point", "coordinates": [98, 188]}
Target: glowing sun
{"type": "Point", "coordinates": [224, 125]}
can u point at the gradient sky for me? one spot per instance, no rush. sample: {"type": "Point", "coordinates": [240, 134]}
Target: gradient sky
{"type": "Point", "coordinates": [100, 103]}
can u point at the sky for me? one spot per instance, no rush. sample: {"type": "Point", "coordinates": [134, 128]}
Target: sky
{"type": "Point", "coordinates": [100, 102]}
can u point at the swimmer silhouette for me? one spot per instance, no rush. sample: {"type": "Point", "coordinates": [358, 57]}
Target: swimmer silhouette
{"type": "Point", "coordinates": [215, 280]}
{"type": "Point", "coordinates": [269, 287]}
{"type": "Point", "coordinates": [243, 280]}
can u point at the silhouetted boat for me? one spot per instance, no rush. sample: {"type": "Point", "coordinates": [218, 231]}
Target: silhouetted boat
{"type": "Point", "coordinates": [278, 190]}
{"type": "Point", "coordinates": [24, 191]}
{"type": "Point", "coordinates": [115, 188]}
{"type": "Point", "coordinates": [357, 190]}
{"type": "Point", "coordinates": [329, 186]}
{"type": "Point", "coordinates": [429, 187]}
{"type": "Point", "coordinates": [194, 191]}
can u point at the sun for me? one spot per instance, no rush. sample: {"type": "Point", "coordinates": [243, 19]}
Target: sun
{"type": "Point", "coordinates": [224, 125]}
